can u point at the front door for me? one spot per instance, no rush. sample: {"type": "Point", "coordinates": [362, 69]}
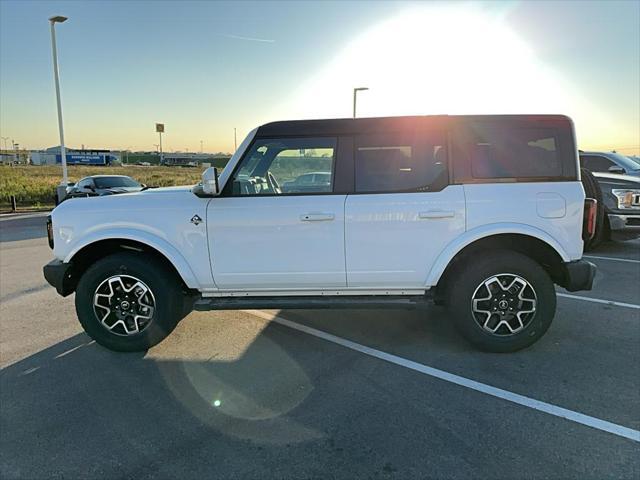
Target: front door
{"type": "Point", "coordinates": [268, 233]}
{"type": "Point", "coordinates": [403, 212]}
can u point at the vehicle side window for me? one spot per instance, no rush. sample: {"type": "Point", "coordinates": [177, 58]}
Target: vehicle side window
{"type": "Point", "coordinates": [515, 153]}
{"type": "Point", "coordinates": [280, 166]}
{"type": "Point", "coordinates": [400, 163]}
{"type": "Point", "coordinates": [596, 163]}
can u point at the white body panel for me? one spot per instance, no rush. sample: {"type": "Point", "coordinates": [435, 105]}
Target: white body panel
{"type": "Point", "coordinates": [159, 218]}
{"type": "Point", "coordinates": [392, 240]}
{"type": "Point", "coordinates": [277, 242]}
{"type": "Point", "coordinates": [553, 208]}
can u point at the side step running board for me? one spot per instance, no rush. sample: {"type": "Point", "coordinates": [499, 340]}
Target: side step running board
{"type": "Point", "coordinates": [300, 302]}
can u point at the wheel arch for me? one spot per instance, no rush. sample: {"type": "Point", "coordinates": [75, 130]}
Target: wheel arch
{"type": "Point", "coordinates": [537, 245]}
{"type": "Point", "coordinates": [96, 247]}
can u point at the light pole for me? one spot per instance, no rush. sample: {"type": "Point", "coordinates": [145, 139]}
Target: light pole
{"type": "Point", "coordinates": [355, 96]}
{"type": "Point", "coordinates": [56, 77]}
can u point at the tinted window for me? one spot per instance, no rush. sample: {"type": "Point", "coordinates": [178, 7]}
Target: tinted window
{"type": "Point", "coordinates": [110, 182]}
{"type": "Point", "coordinates": [596, 163]}
{"type": "Point", "coordinates": [286, 165]}
{"type": "Point", "coordinates": [400, 163]}
{"type": "Point", "coordinates": [515, 153]}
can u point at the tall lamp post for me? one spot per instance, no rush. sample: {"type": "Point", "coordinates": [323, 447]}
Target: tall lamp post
{"type": "Point", "coordinates": [62, 188]}
{"type": "Point", "coordinates": [355, 96]}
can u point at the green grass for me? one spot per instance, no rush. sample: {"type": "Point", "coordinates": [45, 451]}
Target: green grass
{"type": "Point", "coordinates": [35, 186]}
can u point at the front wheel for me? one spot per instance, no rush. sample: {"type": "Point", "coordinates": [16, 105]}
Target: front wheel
{"type": "Point", "coordinates": [502, 302]}
{"type": "Point", "coordinates": [128, 302]}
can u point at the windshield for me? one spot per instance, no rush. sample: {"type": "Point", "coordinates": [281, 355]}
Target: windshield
{"type": "Point", "coordinates": [110, 182]}
{"type": "Point", "coordinates": [635, 160]}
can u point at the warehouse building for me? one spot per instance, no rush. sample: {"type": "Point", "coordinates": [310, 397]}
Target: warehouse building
{"type": "Point", "coordinates": [52, 156]}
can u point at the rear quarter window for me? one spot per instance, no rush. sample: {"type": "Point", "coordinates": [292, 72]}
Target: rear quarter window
{"type": "Point", "coordinates": [516, 153]}
{"type": "Point", "coordinates": [513, 151]}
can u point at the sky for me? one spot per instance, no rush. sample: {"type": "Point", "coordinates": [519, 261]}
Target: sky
{"type": "Point", "coordinates": [205, 68]}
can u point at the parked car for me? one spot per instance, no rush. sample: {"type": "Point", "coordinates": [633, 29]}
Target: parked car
{"type": "Point", "coordinates": [609, 162]}
{"type": "Point", "coordinates": [621, 200]}
{"type": "Point", "coordinates": [100, 185]}
{"type": "Point", "coordinates": [308, 183]}
{"type": "Point", "coordinates": [484, 214]}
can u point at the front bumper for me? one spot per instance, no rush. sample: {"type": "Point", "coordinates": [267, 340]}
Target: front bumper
{"type": "Point", "coordinates": [58, 275]}
{"type": "Point", "coordinates": [624, 226]}
{"type": "Point", "coordinates": [578, 275]}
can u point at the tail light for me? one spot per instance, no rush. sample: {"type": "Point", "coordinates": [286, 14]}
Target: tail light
{"type": "Point", "coordinates": [50, 231]}
{"type": "Point", "coordinates": [589, 220]}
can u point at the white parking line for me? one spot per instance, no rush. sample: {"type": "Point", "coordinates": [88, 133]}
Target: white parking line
{"type": "Point", "coordinates": [612, 258]}
{"type": "Point", "coordinates": [598, 300]}
{"type": "Point", "coordinates": [577, 417]}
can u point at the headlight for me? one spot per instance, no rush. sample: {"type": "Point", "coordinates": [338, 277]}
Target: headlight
{"type": "Point", "coordinates": [627, 198]}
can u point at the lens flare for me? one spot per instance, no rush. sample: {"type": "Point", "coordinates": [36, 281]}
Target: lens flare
{"type": "Point", "coordinates": [443, 60]}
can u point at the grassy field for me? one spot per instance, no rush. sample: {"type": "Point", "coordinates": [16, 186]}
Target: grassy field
{"type": "Point", "coordinates": [34, 186]}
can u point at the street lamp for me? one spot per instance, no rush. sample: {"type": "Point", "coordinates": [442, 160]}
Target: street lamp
{"type": "Point", "coordinates": [56, 77]}
{"type": "Point", "coordinates": [355, 95]}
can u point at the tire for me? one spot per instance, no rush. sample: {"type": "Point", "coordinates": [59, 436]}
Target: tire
{"type": "Point", "coordinates": [158, 309]}
{"type": "Point", "coordinates": [471, 280]}
{"type": "Point", "coordinates": [592, 190]}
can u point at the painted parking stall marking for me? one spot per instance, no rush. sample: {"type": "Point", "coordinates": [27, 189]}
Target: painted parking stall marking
{"type": "Point", "coordinates": [614, 259]}
{"type": "Point", "coordinates": [532, 403]}
{"type": "Point", "coordinates": [599, 300]}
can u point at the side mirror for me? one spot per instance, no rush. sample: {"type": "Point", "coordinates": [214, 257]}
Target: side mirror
{"type": "Point", "coordinates": [616, 169]}
{"type": "Point", "coordinates": [70, 184]}
{"type": "Point", "coordinates": [210, 181]}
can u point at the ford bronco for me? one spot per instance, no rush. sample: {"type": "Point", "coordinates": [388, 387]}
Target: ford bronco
{"type": "Point", "coordinates": [481, 214]}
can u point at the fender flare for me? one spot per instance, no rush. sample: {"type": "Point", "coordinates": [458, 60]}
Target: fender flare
{"type": "Point", "coordinates": [172, 254]}
{"type": "Point", "coordinates": [455, 247]}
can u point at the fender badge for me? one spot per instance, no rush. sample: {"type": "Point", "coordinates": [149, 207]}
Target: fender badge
{"type": "Point", "coordinates": [196, 220]}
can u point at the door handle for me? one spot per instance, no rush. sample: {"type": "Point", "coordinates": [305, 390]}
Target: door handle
{"type": "Point", "coordinates": [316, 217]}
{"type": "Point", "coordinates": [432, 214]}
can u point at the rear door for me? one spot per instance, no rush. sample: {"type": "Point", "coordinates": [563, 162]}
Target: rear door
{"type": "Point", "coordinates": [403, 211]}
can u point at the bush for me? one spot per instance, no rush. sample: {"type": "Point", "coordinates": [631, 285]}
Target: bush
{"type": "Point", "coordinates": [34, 185]}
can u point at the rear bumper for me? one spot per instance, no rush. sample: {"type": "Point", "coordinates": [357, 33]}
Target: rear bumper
{"type": "Point", "coordinates": [578, 275]}
{"type": "Point", "coordinates": [58, 275]}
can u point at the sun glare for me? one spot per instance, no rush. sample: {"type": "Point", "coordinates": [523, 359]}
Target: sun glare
{"type": "Point", "coordinates": [442, 60]}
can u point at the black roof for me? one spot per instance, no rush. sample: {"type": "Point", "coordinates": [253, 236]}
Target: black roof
{"type": "Point", "coordinates": [348, 126]}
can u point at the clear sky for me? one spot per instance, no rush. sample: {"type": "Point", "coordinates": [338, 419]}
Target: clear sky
{"type": "Point", "coordinates": [204, 68]}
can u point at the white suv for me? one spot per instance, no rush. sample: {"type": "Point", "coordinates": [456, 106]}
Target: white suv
{"type": "Point", "coordinates": [483, 214]}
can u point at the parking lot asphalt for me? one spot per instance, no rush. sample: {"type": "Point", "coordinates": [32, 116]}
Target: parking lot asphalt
{"type": "Point", "coordinates": [317, 394]}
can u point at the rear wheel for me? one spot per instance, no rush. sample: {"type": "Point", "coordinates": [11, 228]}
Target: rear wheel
{"type": "Point", "coordinates": [128, 302]}
{"type": "Point", "coordinates": [503, 302]}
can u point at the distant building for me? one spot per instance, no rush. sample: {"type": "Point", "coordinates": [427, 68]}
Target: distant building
{"type": "Point", "coordinates": [187, 159]}
{"type": "Point", "coordinates": [52, 156]}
